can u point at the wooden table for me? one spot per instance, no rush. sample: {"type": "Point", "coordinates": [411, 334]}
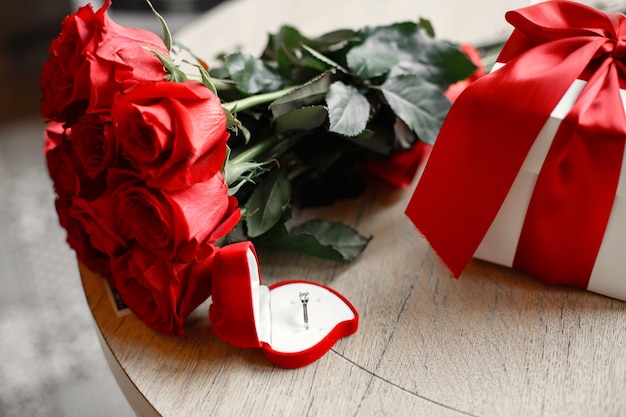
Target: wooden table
{"type": "Point", "coordinates": [494, 343]}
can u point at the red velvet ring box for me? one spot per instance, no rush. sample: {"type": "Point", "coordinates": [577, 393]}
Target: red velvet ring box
{"type": "Point", "coordinates": [247, 314]}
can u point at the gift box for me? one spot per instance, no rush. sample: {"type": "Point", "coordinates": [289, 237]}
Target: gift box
{"type": "Point", "coordinates": [526, 171]}
{"type": "Point", "coordinates": [293, 322]}
{"type": "Point", "coordinates": [500, 242]}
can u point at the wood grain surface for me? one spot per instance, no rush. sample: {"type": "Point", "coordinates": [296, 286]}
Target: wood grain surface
{"type": "Point", "coordinates": [493, 343]}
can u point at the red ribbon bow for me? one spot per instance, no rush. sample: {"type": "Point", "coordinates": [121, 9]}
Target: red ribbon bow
{"type": "Point", "coordinates": [493, 124]}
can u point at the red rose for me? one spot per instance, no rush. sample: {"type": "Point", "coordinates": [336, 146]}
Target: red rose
{"type": "Point", "coordinates": [66, 185]}
{"type": "Point", "coordinates": [97, 220]}
{"type": "Point", "coordinates": [54, 136]}
{"type": "Point", "coordinates": [69, 179]}
{"type": "Point", "coordinates": [162, 294]}
{"type": "Point", "coordinates": [57, 150]}
{"type": "Point", "coordinates": [93, 144]}
{"type": "Point", "coordinates": [80, 241]}
{"type": "Point", "coordinates": [136, 163]}
{"type": "Point", "coordinates": [59, 90]}
{"type": "Point", "coordinates": [174, 225]}
{"type": "Point", "coordinates": [91, 60]}
{"type": "Point", "coordinates": [174, 134]}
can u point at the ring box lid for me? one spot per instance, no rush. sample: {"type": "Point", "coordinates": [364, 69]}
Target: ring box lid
{"type": "Point", "coordinates": [247, 314]}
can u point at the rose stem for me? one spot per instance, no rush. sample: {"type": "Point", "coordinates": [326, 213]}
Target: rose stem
{"type": "Point", "coordinates": [255, 100]}
{"type": "Point", "coordinates": [252, 152]}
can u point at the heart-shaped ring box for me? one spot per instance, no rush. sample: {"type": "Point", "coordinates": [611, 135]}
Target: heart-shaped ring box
{"type": "Point", "coordinates": [247, 314]}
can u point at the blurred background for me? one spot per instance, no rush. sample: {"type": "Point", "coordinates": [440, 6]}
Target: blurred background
{"type": "Point", "coordinates": [51, 363]}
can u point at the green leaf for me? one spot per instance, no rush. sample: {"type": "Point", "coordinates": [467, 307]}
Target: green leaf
{"type": "Point", "coordinates": [348, 109]}
{"type": "Point", "coordinates": [175, 74]}
{"type": "Point", "coordinates": [237, 175]}
{"type": "Point", "coordinates": [205, 78]}
{"type": "Point", "coordinates": [443, 68]}
{"type": "Point", "coordinates": [323, 59]}
{"type": "Point", "coordinates": [285, 61]}
{"type": "Point", "coordinates": [251, 74]}
{"type": "Point", "coordinates": [267, 203]}
{"type": "Point", "coordinates": [376, 141]}
{"type": "Point", "coordinates": [280, 238]}
{"type": "Point", "coordinates": [286, 48]}
{"type": "Point", "coordinates": [371, 61]}
{"type": "Point", "coordinates": [448, 64]}
{"type": "Point", "coordinates": [337, 236]}
{"type": "Point", "coordinates": [420, 104]}
{"type": "Point", "coordinates": [243, 171]}
{"type": "Point", "coordinates": [334, 40]}
{"type": "Point", "coordinates": [288, 39]}
{"type": "Point", "coordinates": [411, 46]}
{"type": "Point", "coordinates": [382, 48]}
{"type": "Point", "coordinates": [290, 48]}
{"type": "Point", "coordinates": [167, 35]}
{"type": "Point", "coordinates": [327, 240]}
{"type": "Point", "coordinates": [304, 118]}
{"type": "Point", "coordinates": [235, 125]}
{"type": "Point", "coordinates": [427, 26]}
{"type": "Point", "coordinates": [312, 92]}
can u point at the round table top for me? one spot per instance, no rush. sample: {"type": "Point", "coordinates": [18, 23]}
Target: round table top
{"type": "Point", "coordinates": [494, 342]}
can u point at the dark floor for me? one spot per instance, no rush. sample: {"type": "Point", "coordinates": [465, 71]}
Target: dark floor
{"type": "Point", "coordinates": [50, 361]}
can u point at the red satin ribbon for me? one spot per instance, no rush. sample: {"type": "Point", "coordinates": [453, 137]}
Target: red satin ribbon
{"type": "Point", "coordinates": [493, 124]}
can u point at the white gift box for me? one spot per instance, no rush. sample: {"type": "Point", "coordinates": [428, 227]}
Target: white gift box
{"type": "Point", "coordinates": [500, 243]}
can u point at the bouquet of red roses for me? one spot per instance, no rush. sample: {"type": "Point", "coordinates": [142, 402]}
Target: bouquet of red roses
{"type": "Point", "coordinates": [136, 162]}
{"type": "Point", "coordinates": [149, 181]}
